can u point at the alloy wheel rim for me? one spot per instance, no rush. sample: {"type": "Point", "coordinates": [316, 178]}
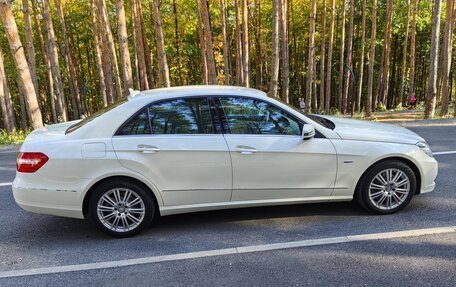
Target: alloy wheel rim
{"type": "Point", "coordinates": [389, 189]}
{"type": "Point", "coordinates": [120, 209]}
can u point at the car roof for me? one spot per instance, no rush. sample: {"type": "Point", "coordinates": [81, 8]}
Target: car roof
{"type": "Point", "coordinates": [198, 90]}
{"type": "Point", "coordinates": [114, 118]}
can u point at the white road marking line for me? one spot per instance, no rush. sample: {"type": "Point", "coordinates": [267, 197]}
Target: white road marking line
{"type": "Point", "coordinates": [444, 152]}
{"type": "Point", "coordinates": [6, 183]}
{"type": "Point", "coordinates": [226, 251]}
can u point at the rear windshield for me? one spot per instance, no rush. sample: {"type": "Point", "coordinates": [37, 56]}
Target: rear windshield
{"type": "Point", "coordinates": [94, 115]}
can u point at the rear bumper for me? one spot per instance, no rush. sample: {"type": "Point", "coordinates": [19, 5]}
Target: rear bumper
{"type": "Point", "coordinates": [59, 202]}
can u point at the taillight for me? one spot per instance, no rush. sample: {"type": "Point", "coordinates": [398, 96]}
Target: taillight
{"type": "Point", "coordinates": [30, 162]}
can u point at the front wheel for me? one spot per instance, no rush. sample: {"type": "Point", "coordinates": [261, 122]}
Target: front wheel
{"type": "Point", "coordinates": [387, 187]}
{"type": "Point", "coordinates": [121, 209]}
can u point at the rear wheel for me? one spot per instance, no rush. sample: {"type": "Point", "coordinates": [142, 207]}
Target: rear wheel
{"type": "Point", "coordinates": [121, 209]}
{"type": "Point", "coordinates": [387, 187]}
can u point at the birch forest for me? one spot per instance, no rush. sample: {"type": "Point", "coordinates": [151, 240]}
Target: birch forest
{"type": "Point", "coordinates": [61, 60]}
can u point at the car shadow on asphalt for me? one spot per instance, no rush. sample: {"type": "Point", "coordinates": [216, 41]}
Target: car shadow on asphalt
{"type": "Point", "coordinates": [259, 213]}
{"type": "Point", "coordinates": [61, 228]}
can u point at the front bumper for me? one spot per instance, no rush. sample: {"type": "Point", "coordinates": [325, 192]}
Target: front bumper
{"type": "Point", "coordinates": [429, 170]}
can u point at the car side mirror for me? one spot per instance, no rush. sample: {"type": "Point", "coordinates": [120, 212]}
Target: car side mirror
{"type": "Point", "coordinates": [308, 131]}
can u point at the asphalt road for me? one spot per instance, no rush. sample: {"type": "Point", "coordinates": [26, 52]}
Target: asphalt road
{"type": "Point", "coordinates": [32, 241]}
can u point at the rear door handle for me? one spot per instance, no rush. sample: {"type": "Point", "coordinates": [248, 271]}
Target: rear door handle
{"type": "Point", "coordinates": [245, 149]}
{"type": "Point", "coordinates": [144, 148]}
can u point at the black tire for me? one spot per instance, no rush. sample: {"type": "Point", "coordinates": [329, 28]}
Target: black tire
{"type": "Point", "coordinates": [136, 190]}
{"type": "Point", "coordinates": [364, 196]}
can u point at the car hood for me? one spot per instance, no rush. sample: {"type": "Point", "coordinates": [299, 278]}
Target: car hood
{"type": "Point", "coordinates": [351, 129]}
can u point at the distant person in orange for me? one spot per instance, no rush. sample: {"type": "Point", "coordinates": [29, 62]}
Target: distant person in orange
{"type": "Point", "coordinates": [412, 102]}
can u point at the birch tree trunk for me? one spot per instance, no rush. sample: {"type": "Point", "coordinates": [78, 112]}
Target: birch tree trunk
{"type": "Point", "coordinates": [24, 77]}
{"type": "Point", "coordinates": [285, 89]}
{"type": "Point", "coordinates": [412, 50]}
{"type": "Point", "coordinates": [205, 75]}
{"type": "Point", "coordinates": [139, 47]}
{"type": "Point", "coordinates": [136, 79]}
{"type": "Point", "coordinates": [98, 59]}
{"type": "Point", "coordinates": [106, 29]}
{"type": "Point", "coordinates": [123, 45]}
{"type": "Point", "coordinates": [29, 43]}
{"type": "Point", "coordinates": [212, 73]}
{"type": "Point", "coordinates": [370, 80]}
{"type": "Point", "coordinates": [314, 100]}
{"type": "Point", "coordinates": [7, 114]}
{"type": "Point", "coordinates": [431, 93]}
{"type": "Point", "coordinates": [106, 58]}
{"type": "Point", "coordinates": [311, 57]}
{"type": "Point", "coordinates": [54, 60]}
{"type": "Point", "coordinates": [384, 78]}
{"type": "Point", "coordinates": [226, 59]}
{"type": "Point", "coordinates": [361, 61]}
{"type": "Point", "coordinates": [274, 83]}
{"type": "Point", "coordinates": [321, 105]}
{"type": "Point", "coordinates": [177, 42]}
{"type": "Point", "coordinates": [7, 96]}
{"type": "Point", "coordinates": [147, 50]}
{"type": "Point", "coordinates": [404, 54]}
{"type": "Point", "coordinates": [47, 63]}
{"type": "Point", "coordinates": [162, 60]}
{"type": "Point", "coordinates": [330, 54]}
{"type": "Point", "coordinates": [258, 48]}
{"type": "Point", "coordinates": [347, 85]}
{"type": "Point", "coordinates": [342, 53]}
{"type": "Point", "coordinates": [447, 55]}
{"type": "Point", "coordinates": [71, 71]}
{"type": "Point", "coordinates": [245, 43]}
{"type": "Point", "coordinates": [239, 56]}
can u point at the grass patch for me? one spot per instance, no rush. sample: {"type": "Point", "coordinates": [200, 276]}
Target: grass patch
{"type": "Point", "coordinates": [14, 138]}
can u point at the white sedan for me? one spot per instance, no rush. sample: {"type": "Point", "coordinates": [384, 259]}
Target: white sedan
{"type": "Point", "coordinates": [186, 149]}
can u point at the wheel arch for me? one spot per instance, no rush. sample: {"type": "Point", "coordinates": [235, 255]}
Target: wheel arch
{"type": "Point", "coordinates": [408, 162]}
{"type": "Point", "coordinates": [86, 200]}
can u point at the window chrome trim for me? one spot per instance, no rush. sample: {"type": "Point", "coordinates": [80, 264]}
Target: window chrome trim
{"type": "Point", "coordinates": [211, 100]}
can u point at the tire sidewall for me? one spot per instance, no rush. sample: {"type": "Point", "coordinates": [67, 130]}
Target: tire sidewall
{"type": "Point", "coordinates": [363, 193]}
{"type": "Point", "coordinates": [145, 196]}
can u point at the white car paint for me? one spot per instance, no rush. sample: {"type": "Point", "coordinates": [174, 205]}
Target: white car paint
{"type": "Point", "coordinates": [202, 172]}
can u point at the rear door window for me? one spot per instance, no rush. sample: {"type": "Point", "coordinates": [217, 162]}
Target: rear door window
{"type": "Point", "coordinates": [178, 116]}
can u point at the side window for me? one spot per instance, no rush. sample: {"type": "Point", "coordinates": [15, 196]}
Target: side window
{"type": "Point", "coordinates": [251, 116]}
{"type": "Point", "coordinates": [138, 125]}
{"type": "Point", "coordinates": [181, 116]}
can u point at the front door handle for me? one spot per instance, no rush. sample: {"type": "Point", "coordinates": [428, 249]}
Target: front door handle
{"type": "Point", "coordinates": [245, 149]}
{"type": "Point", "coordinates": [144, 148]}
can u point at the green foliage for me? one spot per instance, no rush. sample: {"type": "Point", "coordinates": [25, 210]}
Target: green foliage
{"type": "Point", "coordinates": [400, 107]}
{"type": "Point", "coordinates": [183, 48]}
{"type": "Point", "coordinates": [382, 107]}
{"type": "Point", "coordinates": [16, 137]}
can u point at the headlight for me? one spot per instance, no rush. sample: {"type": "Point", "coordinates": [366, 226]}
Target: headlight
{"type": "Point", "coordinates": [425, 148]}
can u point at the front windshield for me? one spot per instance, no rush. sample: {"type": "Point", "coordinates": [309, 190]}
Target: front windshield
{"type": "Point", "coordinates": [79, 124]}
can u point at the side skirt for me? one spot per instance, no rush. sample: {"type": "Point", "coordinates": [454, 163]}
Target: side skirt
{"type": "Point", "coordinates": [178, 209]}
